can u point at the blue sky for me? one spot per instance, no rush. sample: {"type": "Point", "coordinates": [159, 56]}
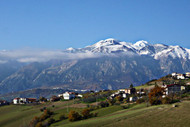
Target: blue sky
{"type": "Point", "coordinates": [59, 24]}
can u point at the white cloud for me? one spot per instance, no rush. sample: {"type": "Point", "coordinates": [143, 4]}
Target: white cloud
{"type": "Point", "coordinates": [33, 55]}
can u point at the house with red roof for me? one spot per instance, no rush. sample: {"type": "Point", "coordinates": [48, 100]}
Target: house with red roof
{"type": "Point", "coordinates": [173, 88]}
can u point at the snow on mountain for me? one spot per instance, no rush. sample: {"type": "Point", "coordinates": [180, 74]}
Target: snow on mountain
{"type": "Point", "coordinates": [140, 44]}
{"type": "Point", "coordinates": [157, 51]}
{"type": "Point", "coordinates": [109, 46]}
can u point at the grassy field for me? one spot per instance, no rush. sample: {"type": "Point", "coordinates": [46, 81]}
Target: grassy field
{"type": "Point", "coordinates": [140, 115]}
{"type": "Point", "coordinates": [137, 115]}
{"type": "Point", "coordinates": [21, 115]}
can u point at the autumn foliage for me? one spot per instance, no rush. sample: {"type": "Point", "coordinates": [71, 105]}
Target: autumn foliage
{"type": "Point", "coordinates": [74, 116]}
{"type": "Point", "coordinates": [155, 95]}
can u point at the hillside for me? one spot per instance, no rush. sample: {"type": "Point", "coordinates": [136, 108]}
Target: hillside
{"type": "Point", "coordinates": [154, 116]}
{"type": "Point", "coordinates": [107, 64]}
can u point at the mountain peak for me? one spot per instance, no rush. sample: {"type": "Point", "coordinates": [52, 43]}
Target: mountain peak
{"type": "Point", "coordinates": [107, 42]}
{"type": "Point", "coordinates": [140, 44]}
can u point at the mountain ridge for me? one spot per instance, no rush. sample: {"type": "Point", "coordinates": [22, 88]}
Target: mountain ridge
{"type": "Point", "coordinates": [107, 64]}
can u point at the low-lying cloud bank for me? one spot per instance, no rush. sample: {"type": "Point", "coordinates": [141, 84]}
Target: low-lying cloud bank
{"type": "Point", "coordinates": [33, 55]}
{"type": "Point", "coordinates": [36, 55]}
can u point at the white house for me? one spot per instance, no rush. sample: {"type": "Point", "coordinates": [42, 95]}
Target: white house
{"type": "Point", "coordinates": [68, 95]}
{"type": "Point", "coordinates": [180, 76]}
{"type": "Point", "coordinates": [187, 74]}
{"type": "Point", "coordinates": [23, 100]}
{"type": "Point", "coordinates": [16, 100]}
{"type": "Point", "coordinates": [80, 95]}
{"type": "Point", "coordinates": [174, 74]}
{"type": "Point", "coordinates": [132, 99]}
{"type": "Point", "coordinates": [20, 101]}
{"type": "Point", "coordinates": [124, 95]}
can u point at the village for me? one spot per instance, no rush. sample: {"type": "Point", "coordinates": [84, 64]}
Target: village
{"type": "Point", "coordinates": [131, 94]}
{"type": "Point", "coordinates": [72, 106]}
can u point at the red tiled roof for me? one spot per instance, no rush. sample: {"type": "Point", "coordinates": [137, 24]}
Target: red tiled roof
{"type": "Point", "coordinates": [172, 85]}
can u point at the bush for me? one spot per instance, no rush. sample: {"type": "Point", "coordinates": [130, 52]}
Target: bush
{"type": "Point", "coordinates": [74, 116]}
{"type": "Point", "coordinates": [95, 114]}
{"type": "Point", "coordinates": [39, 124]}
{"type": "Point", "coordinates": [111, 101]}
{"type": "Point", "coordinates": [155, 95]}
{"type": "Point", "coordinates": [166, 100]}
{"type": "Point", "coordinates": [104, 104]}
{"type": "Point", "coordinates": [47, 113]}
{"type": "Point", "coordinates": [125, 107]}
{"type": "Point", "coordinates": [119, 98]}
{"type": "Point", "coordinates": [62, 117]}
{"type": "Point", "coordinates": [86, 113]}
{"type": "Point", "coordinates": [155, 101]}
{"type": "Point", "coordinates": [50, 121]}
{"type": "Point", "coordinates": [140, 100]}
{"type": "Point", "coordinates": [34, 121]}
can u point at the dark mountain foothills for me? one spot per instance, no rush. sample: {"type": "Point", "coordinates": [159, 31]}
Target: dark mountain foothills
{"type": "Point", "coordinates": [107, 64]}
{"type": "Point", "coordinates": [92, 73]}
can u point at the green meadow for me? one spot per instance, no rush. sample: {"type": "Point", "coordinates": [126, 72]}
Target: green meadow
{"type": "Point", "coordinates": [113, 116]}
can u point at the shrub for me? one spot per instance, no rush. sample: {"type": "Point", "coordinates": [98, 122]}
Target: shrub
{"type": "Point", "coordinates": [155, 95]}
{"type": "Point", "coordinates": [155, 101]}
{"type": "Point", "coordinates": [104, 104]}
{"type": "Point", "coordinates": [111, 101]}
{"type": "Point", "coordinates": [47, 113]}
{"type": "Point", "coordinates": [166, 100]}
{"type": "Point", "coordinates": [140, 100]}
{"type": "Point", "coordinates": [119, 98]}
{"type": "Point", "coordinates": [95, 114]}
{"type": "Point", "coordinates": [86, 113]}
{"type": "Point", "coordinates": [41, 109]}
{"type": "Point", "coordinates": [39, 124]}
{"type": "Point", "coordinates": [50, 121]}
{"type": "Point", "coordinates": [74, 116]}
{"type": "Point", "coordinates": [62, 117]}
{"type": "Point", "coordinates": [34, 121]}
{"type": "Point", "coordinates": [125, 107]}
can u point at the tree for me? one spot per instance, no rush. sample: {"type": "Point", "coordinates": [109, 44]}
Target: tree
{"type": "Point", "coordinates": [155, 95]}
{"type": "Point", "coordinates": [86, 113]}
{"type": "Point", "coordinates": [62, 117]}
{"type": "Point", "coordinates": [39, 124]}
{"type": "Point", "coordinates": [43, 99]}
{"type": "Point", "coordinates": [131, 86]}
{"type": "Point", "coordinates": [34, 121]}
{"type": "Point", "coordinates": [74, 116]}
{"type": "Point", "coordinates": [50, 121]}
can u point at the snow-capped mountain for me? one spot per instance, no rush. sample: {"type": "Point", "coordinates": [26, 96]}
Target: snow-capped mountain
{"type": "Point", "coordinates": [157, 51]}
{"type": "Point", "coordinates": [92, 67]}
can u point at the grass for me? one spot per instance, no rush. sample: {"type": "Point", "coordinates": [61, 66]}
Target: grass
{"type": "Point", "coordinates": [17, 115]}
{"type": "Point", "coordinates": [113, 116]}
{"type": "Point", "coordinates": [140, 115]}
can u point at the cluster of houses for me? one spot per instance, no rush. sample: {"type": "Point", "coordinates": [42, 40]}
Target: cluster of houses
{"type": "Point", "coordinates": [176, 75]}
{"type": "Point", "coordinates": [65, 96]}
{"type": "Point", "coordinates": [128, 92]}
{"type": "Point", "coordinates": [23, 100]}
{"type": "Point", "coordinates": [3, 102]}
{"type": "Point", "coordinates": [69, 95]}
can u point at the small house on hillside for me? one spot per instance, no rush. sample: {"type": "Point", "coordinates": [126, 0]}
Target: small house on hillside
{"type": "Point", "coordinates": [187, 74]}
{"type": "Point", "coordinates": [130, 91]}
{"type": "Point", "coordinates": [174, 74]}
{"type": "Point", "coordinates": [67, 95]}
{"type": "Point", "coordinates": [173, 88]}
{"type": "Point", "coordinates": [23, 100]}
{"type": "Point", "coordinates": [180, 76]}
{"type": "Point", "coordinates": [3, 102]}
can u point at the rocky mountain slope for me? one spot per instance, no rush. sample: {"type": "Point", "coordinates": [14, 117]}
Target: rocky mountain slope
{"type": "Point", "coordinates": [107, 64]}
